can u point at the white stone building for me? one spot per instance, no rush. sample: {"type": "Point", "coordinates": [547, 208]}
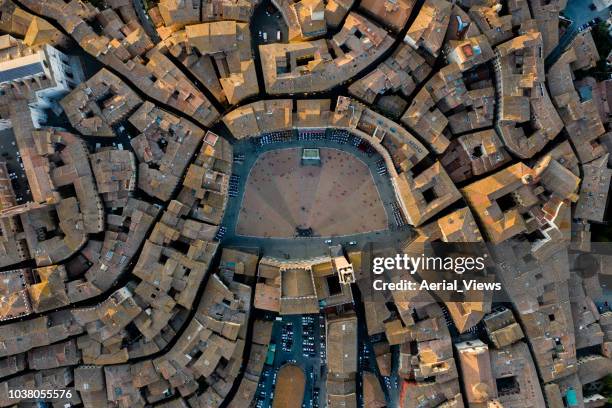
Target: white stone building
{"type": "Point", "coordinates": [43, 75]}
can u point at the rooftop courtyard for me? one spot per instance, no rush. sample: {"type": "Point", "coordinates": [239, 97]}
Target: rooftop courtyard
{"type": "Point", "coordinates": [286, 197]}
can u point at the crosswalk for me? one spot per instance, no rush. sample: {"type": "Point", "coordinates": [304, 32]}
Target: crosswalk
{"type": "Point", "coordinates": [381, 167]}
{"type": "Point", "coordinates": [239, 158]}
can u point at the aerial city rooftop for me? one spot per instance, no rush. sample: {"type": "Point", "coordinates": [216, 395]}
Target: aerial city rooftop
{"type": "Point", "coordinates": [193, 192]}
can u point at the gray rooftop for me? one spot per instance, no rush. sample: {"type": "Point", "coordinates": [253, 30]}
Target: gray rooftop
{"type": "Point", "coordinates": [24, 71]}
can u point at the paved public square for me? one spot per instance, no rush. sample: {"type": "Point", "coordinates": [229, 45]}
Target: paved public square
{"type": "Point", "coordinates": [338, 197]}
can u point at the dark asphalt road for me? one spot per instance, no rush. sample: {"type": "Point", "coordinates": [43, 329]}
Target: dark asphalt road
{"type": "Point", "coordinates": [312, 246]}
{"type": "Point", "coordinates": [579, 12]}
